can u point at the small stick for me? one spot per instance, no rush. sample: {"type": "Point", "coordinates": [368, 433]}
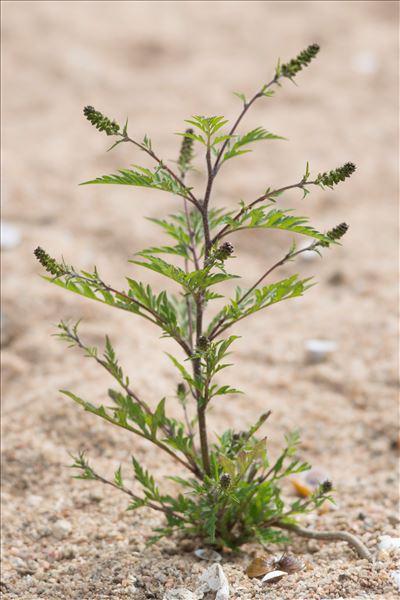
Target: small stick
{"type": "Point", "coordinates": [344, 536]}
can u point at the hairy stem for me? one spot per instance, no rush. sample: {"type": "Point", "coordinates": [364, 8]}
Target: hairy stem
{"type": "Point", "coordinates": [122, 488]}
{"type": "Point", "coordinates": [201, 401]}
{"type": "Point", "coordinates": [188, 194]}
{"type": "Point", "coordinates": [240, 117]}
{"type": "Point", "coordinates": [218, 328]}
{"type": "Point", "coordinates": [344, 536]}
{"type": "Point", "coordinates": [226, 230]}
{"type": "Point", "coordinates": [157, 320]}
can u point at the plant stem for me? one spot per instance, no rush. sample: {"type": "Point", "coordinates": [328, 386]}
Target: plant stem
{"type": "Point", "coordinates": [158, 321]}
{"type": "Point", "coordinates": [268, 195]}
{"type": "Point", "coordinates": [217, 329]}
{"type": "Point", "coordinates": [193, 468]}
{"type": "Point", "coordinates": [160, 508]}
{"type": "Point", "coordinates": [240, 117]}
{"type": "Point", "coordinates": [344, 536]}
{"type": "Point", "coordinates": [188, 194]}
{"type": "Point", "coordinates": [201, 401]}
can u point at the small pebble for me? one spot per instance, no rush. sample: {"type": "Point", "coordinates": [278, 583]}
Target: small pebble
{"type": "Point", "coordinates": [10, 236]}
{"type": "Point", "coordinates": [365, 62]}
{"type": "Point", "coordinates": [61, 529]}
{"type": "Point", "coordinates": [395, 575]}
{"type": "Point", "coordinates": [318, 350]}
{"type": "Point", "coordinates": [208, 554]}
{"type": "Point", "coordinates": [33, 501]}
{"type": "Point", "coordinates": [389, 543]}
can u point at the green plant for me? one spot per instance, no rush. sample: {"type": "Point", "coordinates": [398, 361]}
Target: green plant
{"type": "Point", "coordinates": [232, 493]}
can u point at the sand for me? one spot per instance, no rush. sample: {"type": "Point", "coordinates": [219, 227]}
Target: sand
{"type": "Point", "coordinates": [159, 63]}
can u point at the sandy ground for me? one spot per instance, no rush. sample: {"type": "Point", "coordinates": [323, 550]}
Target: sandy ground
{"type": "Point", "coordinates": [159, 63]}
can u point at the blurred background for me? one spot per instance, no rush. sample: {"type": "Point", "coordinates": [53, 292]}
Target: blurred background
{"type": "Point", "coordinates": [158, 63]}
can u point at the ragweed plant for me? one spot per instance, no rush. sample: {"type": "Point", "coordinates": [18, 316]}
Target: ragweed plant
{"type": "Point", "coordinates": [232, 493]}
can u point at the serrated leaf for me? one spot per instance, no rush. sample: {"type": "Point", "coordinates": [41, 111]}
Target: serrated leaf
{"type": "Point", "coordinates": [255, 135]}
{"type": "Point", "coordinates": [158, 179]}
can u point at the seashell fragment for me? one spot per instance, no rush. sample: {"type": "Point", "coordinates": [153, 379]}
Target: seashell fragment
{"type": "Point", "coordinates": [213, 580]}
{"type": "Point", "coordinates": [273, 576]}
{"type": "Point", "coordinates": [208, 554]}
{"type": "Point", "coordinates": [258, 567]}
{"type": "Point", "coordinates": [288, 563]}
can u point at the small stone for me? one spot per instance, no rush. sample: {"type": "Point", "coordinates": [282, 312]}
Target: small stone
{"type": "Point", "coordinates": [33, 501]}
{"type": "Point", "coordinates": [318, 350]}
{"type": "Point", "coordinates": [10, 236]}
{"type": "Point", "coordinates": [61, 529]}
{"type": "Point", "coordinates": [393, 519]}
{"type": "Point", "coordinates": [395, 575]}
{"type": "Point", "coordinates": [313, 547]}
{"type": "Point", "coordinates": [365, 62]}
{"type": "Point", "coordinates": [389, 543]}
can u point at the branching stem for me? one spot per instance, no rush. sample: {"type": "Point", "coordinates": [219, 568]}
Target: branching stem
{"type": "Point", "coordinates": [226, 230]}
{"type": "Point", "coordinates": [218, 328]}
{"type": "Point", "coordinates": [188, 194]}
{"type": "Point", "coordinates": [127, 491]}
{"type": "Point", "coordinates": [240, 117]}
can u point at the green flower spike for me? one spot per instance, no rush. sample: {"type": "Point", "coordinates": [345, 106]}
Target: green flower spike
{"type": "Point", "coordinates": [50, 264]}
{"type": "Point", "coordinates": [291, 68]}
{"type": "Point", "coordinates": [186, 153]}
{"type": "Point", "coordinates": [337, 175]}
{"type": "Point", "coordinates": [101, 122]}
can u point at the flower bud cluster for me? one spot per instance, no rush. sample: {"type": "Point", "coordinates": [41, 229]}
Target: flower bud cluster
{"type": "Point", "coordinates": [203, 343]}
{"type": "Point", "coordinates": [101, 122]}
{"type": "Point", "coordinates": [223, 252]}
{"type": "Point", "coordinates": [225, 481]}
{"type": "Point", "coordinates": [337, 232]}
{"type": "Point", "coordinates": [50, 264]}
{"type": "Point", "coordinates": [291, 68]}
{"type": "Point", "coordinates": [337, 175]}
{"type": "Point", "coordinates": [186, 153]}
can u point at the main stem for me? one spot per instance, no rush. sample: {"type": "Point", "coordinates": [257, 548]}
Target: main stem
{"type": "Point", "coordinates": [203, 206]}
{"type": "Point", "coordinates": [201, 400]}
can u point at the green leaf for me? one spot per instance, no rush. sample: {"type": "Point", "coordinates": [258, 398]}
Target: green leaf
{"type": "Point", "coordinates": [159, 179]}
{"type": "Point", "coordinates": [118, 477]}
{"type": "Point", "coordinates": [255, 135]}
{"type": "Point", "coordinates": [158, 418]}
{"type": "Point", "coordinates": [260, 218]}
{"type": "Point", "coordinates": [242, 97]}
{"type": "Point", "coordinates": [208, 125]}
{"type": "Point", "coordinates": [260, 298]}
{"type": "Point", "coordinates": [185, 374]}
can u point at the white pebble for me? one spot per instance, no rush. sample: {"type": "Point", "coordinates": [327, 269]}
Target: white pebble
{"type": "Point", "coordinates": [395, 575]}
{"type": "Point", "coordinates": [318, 350]}
{"type": "Point", "coordinates": [389, 543]}
{"type": "Point", "coordinates": [33, 501]}
{"type": "Point", "coordinates": [61, 529]}
{"type": "Point", "coordinates": [365, 63]}
{"type": "Point", "coordinates": [10, 236]}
